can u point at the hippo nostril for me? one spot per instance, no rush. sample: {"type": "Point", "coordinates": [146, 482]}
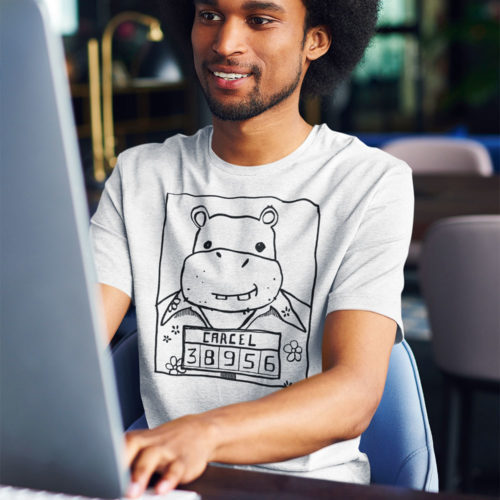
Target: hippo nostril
{"type": "Point", "coordinates": [244, 263]}
{"type": "Point", "coordinates": [218, 254]}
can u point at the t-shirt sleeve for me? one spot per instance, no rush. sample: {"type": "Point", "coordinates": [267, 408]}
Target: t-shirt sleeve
{"type": "Point", "coordinates": [370, 276]}
{"type": "Point", "coordinates": [109, 237]}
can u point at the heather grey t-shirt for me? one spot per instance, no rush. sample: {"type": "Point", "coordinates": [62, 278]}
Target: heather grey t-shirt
{"type": "Point", "coordinates": [233, 269]}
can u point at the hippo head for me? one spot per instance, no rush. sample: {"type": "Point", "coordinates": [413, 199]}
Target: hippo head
{"type": "Point", "coordinates": [233, 266]}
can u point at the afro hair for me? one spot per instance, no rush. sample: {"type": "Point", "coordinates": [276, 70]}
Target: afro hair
{"type": "Point", "coordinates": [351, 24]}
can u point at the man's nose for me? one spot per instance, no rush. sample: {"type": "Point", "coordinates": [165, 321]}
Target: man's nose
{"type": "Point", "coordinates": [230, 39]}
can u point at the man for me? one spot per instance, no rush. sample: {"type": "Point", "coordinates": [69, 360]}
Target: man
{"type": "Point", "coordinates": [264, 256]}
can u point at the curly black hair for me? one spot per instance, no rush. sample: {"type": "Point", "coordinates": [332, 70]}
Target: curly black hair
{"type": "Point", "coordinates": [351, 24]}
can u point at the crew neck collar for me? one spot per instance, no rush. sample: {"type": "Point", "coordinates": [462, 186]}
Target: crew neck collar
{"type": "Point", "coordinates": [258, 169]}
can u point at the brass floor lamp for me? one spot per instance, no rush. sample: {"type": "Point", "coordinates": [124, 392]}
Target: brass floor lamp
{"type": "Point", "coordinates": [101, 89]}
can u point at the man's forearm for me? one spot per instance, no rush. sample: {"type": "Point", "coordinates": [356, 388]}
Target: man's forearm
{"type": "Point", "coordinates": [115, 305]}
{"type": "Point", "coordinates": [333, 406]}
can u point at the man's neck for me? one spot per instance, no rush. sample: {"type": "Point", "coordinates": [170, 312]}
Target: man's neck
{"type": "Point", "coordinates": [263, 139]}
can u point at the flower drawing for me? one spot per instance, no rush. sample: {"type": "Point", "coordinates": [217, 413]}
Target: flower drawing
{"type": "Point", "coordinates": [175, 366]}
{"type": "Point", "coordinates": [293, 350]}
{"type": "Point", "coordinates": [286, 312]}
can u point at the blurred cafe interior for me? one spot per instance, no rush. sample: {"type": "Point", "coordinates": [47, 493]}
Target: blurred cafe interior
{"type": "Point", "coordinates": [428, 92]}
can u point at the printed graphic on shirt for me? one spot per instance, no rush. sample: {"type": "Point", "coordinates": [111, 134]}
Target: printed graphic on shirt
{"type": "Point", "coordinates": [236, 288]}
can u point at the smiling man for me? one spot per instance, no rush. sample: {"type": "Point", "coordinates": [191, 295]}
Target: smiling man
{"type": "Point", "coordinates": [264, 256]}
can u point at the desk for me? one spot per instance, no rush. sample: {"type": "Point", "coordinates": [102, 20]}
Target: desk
{"type": "Point", "coordinates": [218, 483]}
{"type": "Point", "coordinates": [439, 196]}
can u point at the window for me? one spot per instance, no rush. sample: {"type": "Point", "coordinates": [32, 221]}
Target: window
{"type": "Point", "coordinates": [386, 84]}
{"type": "Point", "coordinates": [64, 15]}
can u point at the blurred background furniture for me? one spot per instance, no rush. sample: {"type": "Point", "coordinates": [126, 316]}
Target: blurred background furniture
{"type": "Point", "coordinates": [440, 156]}
{"type": "Point", "coordinates": [398, 440]}
{"type": "Point", "coordinates": [441, 196]}
{"type": "Point", "coordinates": [460, 278]}
{"type": "Point", "coordinates": [154, 34]}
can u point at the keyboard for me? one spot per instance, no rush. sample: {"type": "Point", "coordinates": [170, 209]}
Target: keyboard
{"type": "Point", "coordinates": [11, 493]}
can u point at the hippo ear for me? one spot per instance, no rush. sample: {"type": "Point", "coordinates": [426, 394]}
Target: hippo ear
{"type": "Point", "coordinates": [269, 216]}
{"type": "Point", "coordinates": [199, 216]}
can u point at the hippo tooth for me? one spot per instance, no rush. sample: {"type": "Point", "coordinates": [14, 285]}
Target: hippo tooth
{"type": "Point", "coordinates": [221, 297]}
{"type": "Point", "coordinates": [246, 296]}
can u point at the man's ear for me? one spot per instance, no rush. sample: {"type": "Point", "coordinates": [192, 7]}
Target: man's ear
{"type": "Point", "coordinates": [318, 41]}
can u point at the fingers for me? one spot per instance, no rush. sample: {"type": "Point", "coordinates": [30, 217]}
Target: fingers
{"type": "Point", "coordinates": [171, 478]}
{"type": "Point", "coordinates": [146, 463]}
{"type": "Point", "coordinates": [134, 442]}
{"type": "Point", "coordinates": [177, 451]}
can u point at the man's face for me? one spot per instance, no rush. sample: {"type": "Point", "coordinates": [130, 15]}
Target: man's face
{"type": "Point", "coordinates": [248, 54]}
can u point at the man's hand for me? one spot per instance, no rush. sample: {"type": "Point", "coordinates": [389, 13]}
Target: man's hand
{"type": "Point", "coordinates": [178, 451]}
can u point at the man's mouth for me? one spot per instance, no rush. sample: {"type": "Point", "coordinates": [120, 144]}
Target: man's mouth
{"type": "Point", "coordinates": [230, 76]}
{"type": "Point", "coordinates": [242, 296]}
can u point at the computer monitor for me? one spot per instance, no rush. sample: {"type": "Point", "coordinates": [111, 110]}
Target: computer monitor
{"type": "Point", "coordinates": [60, 420]}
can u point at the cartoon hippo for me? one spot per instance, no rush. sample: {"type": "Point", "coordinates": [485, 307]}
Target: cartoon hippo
{"type": "Point", "coordinates": [233, 266]}
{"type": "Point", "coordinates": [230, 282]}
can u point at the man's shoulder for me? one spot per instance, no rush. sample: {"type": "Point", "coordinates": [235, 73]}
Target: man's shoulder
{"type": "Point", "coordinates": [352, 151]}
{"type": "Point", "coordinates": [174, 145]}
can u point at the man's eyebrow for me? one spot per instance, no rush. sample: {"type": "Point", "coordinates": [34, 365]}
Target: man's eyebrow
{"type": "Point", "coordinates": [250, 5]}
{"type": "Point", "coordinates": [259, 5]}
{"type": "Point", "coordinates": [212, 3]}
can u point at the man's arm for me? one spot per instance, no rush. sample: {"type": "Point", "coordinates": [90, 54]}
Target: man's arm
{"type": "Point", "coordinates": [335, 405]}
{"type": "Point", "coordinates": [115, 304]}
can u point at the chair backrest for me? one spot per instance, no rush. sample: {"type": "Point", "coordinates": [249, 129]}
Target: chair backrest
{"type": "Point", "coordinates": [126, 363]}
{"type": "Point", "coordinates": [442, 155]}
{"type": "Point", "coordinates": [460, 278]}
{"type": "Point", "coordinates": [398, 441]}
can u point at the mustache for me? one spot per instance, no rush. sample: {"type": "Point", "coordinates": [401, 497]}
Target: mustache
{"type": "Point", "coordinates": [226, 61]}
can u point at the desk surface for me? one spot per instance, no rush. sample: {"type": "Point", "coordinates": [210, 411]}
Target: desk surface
{"type": "Point", "coordinates": [439, 196]}
{"type": "Point", "coordinates": [218, 483]}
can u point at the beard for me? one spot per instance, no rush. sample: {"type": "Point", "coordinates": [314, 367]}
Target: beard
{"type": "Point", "coordinates": [256, 103]}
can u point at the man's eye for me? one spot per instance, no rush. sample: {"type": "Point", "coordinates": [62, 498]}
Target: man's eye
{"type": "Point", "coordinates": [210, 16]}
{"type": "Point", "coordinates": [259, 21]}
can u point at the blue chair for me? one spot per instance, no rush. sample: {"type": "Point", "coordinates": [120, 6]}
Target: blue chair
{"type": "Point", "coordinates": [398, 441]}
{"type": "Point", "coordinates": [126, 364]}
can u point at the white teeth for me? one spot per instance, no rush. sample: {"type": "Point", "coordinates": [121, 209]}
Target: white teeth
{"type": "Point", "coordinates": [241, 297]}
{"type": "Point", "coordinates": [229, 76]}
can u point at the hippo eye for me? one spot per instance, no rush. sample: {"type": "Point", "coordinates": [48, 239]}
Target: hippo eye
{"type": "Point", "coordinates": [260, 247]}
{"type": "Point", "coordinates": [207, 244]}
